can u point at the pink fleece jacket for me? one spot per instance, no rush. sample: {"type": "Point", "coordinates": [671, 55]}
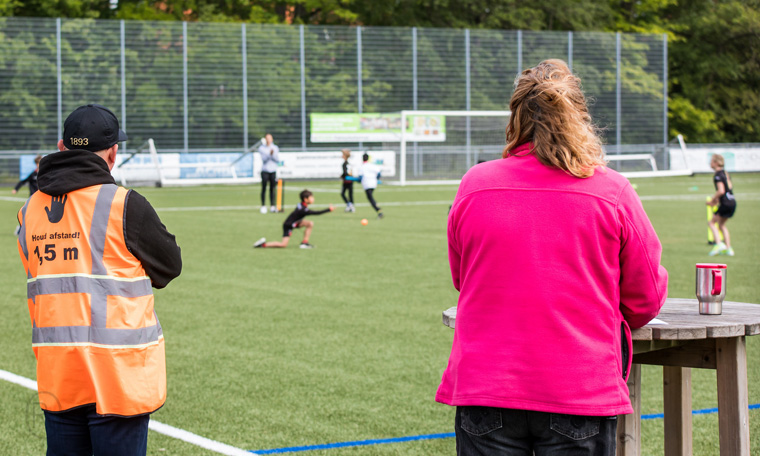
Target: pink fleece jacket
{"type": "Point", "coordinates": [550, 268]}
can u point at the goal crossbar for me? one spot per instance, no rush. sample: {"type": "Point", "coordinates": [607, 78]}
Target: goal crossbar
{"type": "Point", "coordinates": [149, 147]}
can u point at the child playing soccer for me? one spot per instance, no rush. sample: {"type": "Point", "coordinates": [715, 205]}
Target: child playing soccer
{"type": "Point", "coordinates": [296, 220]}
{"type": "Point", "coordinates": [348, 185]}
{"type": "Point", "coordinates": [724, 199]}
{"type": "Point", "coordinates": [368, 175]}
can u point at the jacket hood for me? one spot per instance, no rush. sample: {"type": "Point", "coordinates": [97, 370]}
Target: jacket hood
{"type": "Point", "coordinates": [69, 170]}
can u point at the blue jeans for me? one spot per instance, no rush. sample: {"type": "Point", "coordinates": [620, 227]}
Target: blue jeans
{"type": "Point", "coordinates": [81, 432]}
{"type": "Point", "coordinates": [507, 432]}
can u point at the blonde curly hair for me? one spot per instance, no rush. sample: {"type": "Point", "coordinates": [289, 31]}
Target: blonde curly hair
{"type": "Point", "coordinates": [549, 109]}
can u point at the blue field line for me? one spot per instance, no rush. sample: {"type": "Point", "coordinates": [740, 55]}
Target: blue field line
{"type": "Point", "coordinates": [446, 435]}
{"type": "Point", "coordinates": [328, 446]}
{"type": "Point", "coordinates": [655, 416]}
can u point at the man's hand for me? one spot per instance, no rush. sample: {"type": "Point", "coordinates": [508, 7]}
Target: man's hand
{"type": "Point", "coordinates": [331, 208]}
{"type": "Point", "coordinates": [14, 191]}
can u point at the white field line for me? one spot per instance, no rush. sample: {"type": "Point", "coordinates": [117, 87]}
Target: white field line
{"type": "Point", "coordinates": [14, 199]}
{"type": "Point", "coordinates": [701, 198]}
{"type": "Point", "coordinates": [171, 431]}
{"type": "Point", "coordinates": [693, 197]}
{"type": "Point", "coordinates": [255, 208]}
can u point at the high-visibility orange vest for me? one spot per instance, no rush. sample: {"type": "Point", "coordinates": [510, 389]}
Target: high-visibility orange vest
{"type": "Point", "coordinates": [94, 331]}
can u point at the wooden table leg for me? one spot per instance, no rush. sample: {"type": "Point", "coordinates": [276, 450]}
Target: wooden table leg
{"type": "Point", "coordinates": [629, 426]}
{"type": "Point", "coordinates": [733, 396]}
{"type": "Point", "coordinates": [677, 396]}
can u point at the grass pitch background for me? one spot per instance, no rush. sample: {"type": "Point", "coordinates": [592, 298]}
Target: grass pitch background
{"type": "Point", "coordinates": [272, 348]}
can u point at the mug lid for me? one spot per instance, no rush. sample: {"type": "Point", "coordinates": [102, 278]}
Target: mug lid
{"type": "Point", "coordinates": [711, 266]}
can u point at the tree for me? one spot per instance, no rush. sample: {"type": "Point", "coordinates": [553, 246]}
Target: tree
{"type": "Point", "coordinates": [715, 70]}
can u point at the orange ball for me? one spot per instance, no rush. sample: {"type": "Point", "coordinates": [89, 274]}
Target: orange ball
{"type": "Point", "coordinates": [365, 221]}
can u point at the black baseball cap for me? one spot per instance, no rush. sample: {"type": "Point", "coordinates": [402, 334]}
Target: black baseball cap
{"type": "Point", "coordinates": [92, 127]}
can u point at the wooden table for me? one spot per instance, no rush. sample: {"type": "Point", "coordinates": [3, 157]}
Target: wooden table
{"type": "Point", "coordinates": [689, 340]}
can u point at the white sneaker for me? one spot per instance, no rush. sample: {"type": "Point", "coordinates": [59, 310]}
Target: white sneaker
{"type": "Point", "coordinates": [353, 208]}
{"type": "Point", "coordinates": [259, 243]}
{"type": "Point", "coordinates": [348, 209]}
{"type": "Point", "coordinates": [718, 248]}
{"type": "Point", "coordinates": [729, 251]}
{"type": "Point", "coordinates": [306, 245]}
{"type": "Point", "coordinates": [273, 209]}
{"type": "Point", "coordinates": [263, 209]}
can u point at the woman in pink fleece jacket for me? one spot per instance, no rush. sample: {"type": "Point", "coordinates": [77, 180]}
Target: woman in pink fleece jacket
{"type": "Point", "coordinates": [555, 260]}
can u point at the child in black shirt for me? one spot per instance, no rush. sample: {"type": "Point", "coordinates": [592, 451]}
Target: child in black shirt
{"type": "Point", "coordinates": [724, 199]}
{"type": "Point", "coordinates": [348, 185]}
{"type": "Point", "coordinates": [296, 220]}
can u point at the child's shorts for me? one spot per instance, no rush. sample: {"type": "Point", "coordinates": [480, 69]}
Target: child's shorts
{"type": "Point", "coordinates": [726, 211]}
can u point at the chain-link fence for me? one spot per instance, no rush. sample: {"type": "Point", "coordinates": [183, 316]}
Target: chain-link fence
{"type": "Point", "coordinates": [211, 86]}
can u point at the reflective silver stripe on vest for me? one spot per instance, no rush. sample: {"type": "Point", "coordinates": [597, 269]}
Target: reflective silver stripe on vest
{"type": "Point", "coordinates": [89, 334]}
{"type": "Point", "coordinates": [100, 216]}
{"type": "Point", "coordinates": [105, 286]}
{"type": "Point", "coordinates": [99, 286]}
{"type": "Point", "coordinates": [22, 235]}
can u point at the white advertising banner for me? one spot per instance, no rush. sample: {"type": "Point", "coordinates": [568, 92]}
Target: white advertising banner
{"type": "Point", "coordinates": [318, 165]}
{"type": "Point", "coordinates": [741, 159]}
{"type": "Point", "coordinates": [292, 165]}
{"type": "Point", "coordinates": [141, 167]}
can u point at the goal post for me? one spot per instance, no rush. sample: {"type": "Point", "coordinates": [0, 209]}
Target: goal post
{"type": "Point", "coordinates": [650, 160]}
{"type": "Point", "coordinates": [462, 139]}
{"type": "Point", "coordinates": [145, 166]}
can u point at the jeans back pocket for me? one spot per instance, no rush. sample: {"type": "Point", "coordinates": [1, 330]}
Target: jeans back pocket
{"type": "Point", "coordinates": [575, 427]}
{"type": "Point", "coordinates": [479, 420]}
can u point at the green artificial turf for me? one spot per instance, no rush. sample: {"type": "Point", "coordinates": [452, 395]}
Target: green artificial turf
{"type": "Point", "coordinates": [271, 348]}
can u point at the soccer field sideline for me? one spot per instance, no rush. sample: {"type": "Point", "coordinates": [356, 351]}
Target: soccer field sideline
{"type": "Point", "coordinates": [228, 450]}
{"type": "Point", "coordinates": [178, 207]}
{"type": "Point", "coordinates": [743, 196]}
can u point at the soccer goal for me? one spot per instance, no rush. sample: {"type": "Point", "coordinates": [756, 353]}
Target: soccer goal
{"type": "Point", "coordinates": [649, 160]}
{"type": "Point", "coordinates": [145, 166]}
{"type": "Point", "coordinates": [440, 146]}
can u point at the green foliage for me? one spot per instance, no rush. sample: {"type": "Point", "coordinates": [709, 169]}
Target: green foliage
{"type": "Point", "coordinates": [696, 125]}
{"type": "Point", "coordinates": [716, 67]}
{"type": "Point", "coordinates": [642, 16]}
{"type": "Point", "coordinates": [91, 9]}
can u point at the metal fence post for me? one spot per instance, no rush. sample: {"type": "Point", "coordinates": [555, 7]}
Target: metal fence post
{"type": "Point", "coordinates": [60, 81]}
{"type": "Point", "coordinates": [186, 134]}
{"type": "Point", "coordinates": [519, 52]}
{"type": "Point", "coordinates": [570, 50]}
{"type": "Point", "coordinates": [665, 134]}
{"type": "Point", "coordinates": [618, 95]}
{"type": "Point", "coordinates": [467, 95]}
{"type": "Point", "coordinates": [244, 47]}
{"type": "Point", "coordinates": [415, 156]}
{"type": "Point", "coordinates": [303, 89]}
{"type": "Point", "coordinates": [359, 95]}
{"type": "Point", "coordinates": [123, 121]}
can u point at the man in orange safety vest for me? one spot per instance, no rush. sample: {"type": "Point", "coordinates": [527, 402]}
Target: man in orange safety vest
{"type": "Point", "coordinates": [93, 252]}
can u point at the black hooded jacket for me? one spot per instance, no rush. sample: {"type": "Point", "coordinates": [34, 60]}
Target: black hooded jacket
{"type": "Point", "coordinates": [146, 237]}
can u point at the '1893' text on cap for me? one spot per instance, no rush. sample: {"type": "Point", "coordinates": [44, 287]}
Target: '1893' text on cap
{"type": "Point", "coordinates": [92, 127]}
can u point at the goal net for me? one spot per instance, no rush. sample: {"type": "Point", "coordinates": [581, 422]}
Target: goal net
{"type": "Point", "coordinates": [649, 160]}
{"type": "Point", "coordinates": [440, 146]}
{"type": "Point", "coordinates": [145, 166]}
{"type": "Point", "coordinates": [466, 138]}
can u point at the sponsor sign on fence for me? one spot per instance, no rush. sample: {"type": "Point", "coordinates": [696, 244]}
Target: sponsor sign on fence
{"type": "Point", "coordinates": [338, 127]}
{"type": "Point", "coordinates": [740, 159]}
